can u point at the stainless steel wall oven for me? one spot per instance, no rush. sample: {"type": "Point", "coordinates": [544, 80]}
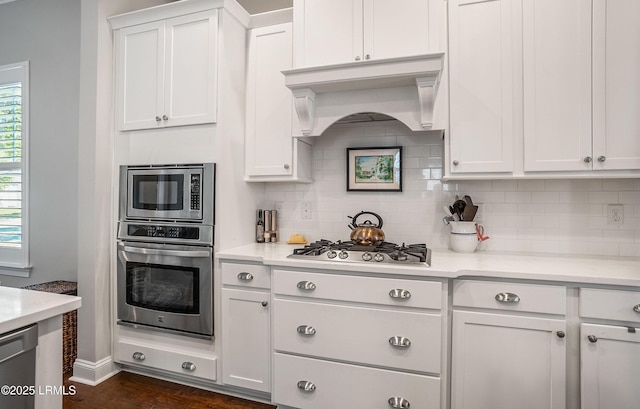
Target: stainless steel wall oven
{"type": "Point", "coordinates": [165, 265]}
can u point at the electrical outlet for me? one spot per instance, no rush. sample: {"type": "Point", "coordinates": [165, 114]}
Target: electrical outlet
{"type": "Point", "coordinates": [306, 210]}
{"type": "Point", "coordinates": [278, 206]}
{"type": "Point", "coordinates": [615, 215]}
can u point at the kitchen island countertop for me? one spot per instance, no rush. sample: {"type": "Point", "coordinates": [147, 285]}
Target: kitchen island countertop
{"type": "Point", "coordinates": [448, 264]}
{"type": "Point", "coordinates": [19, 307]}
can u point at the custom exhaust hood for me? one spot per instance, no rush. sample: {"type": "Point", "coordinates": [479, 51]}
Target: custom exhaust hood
{"type": "Point", "coordinates": [402, 88]}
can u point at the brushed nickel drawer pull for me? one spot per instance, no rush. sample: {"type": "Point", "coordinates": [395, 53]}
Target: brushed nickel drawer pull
{"type": "Point", "coordinates": [398, 402]}
{"type": "Point", "coordinates": [306, 330]}
{"type": "Point", "coordinates": [400, 342]}
{"type": "Point", "coordinates": [507, 298]}
{"type": "Point", "coordinates": [636, 308]}
{"type": "Point", "coordinates": [306, 285]}
{"type": "Point", "coordinates": [399, 293]}
{"type": "Point", "coordinates": [592, 338]}
{"type": "Point", "coordinates": [306, 386]}
{"type": "Point", "coordinates": [139, 356]}
{"type": "Point", "coordinates": [189, 366]}
{"type": "Point", "coordinates": [245, 276]}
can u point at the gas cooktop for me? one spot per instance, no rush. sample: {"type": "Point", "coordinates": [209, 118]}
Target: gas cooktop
{"type": "Point", "coordinates": [384, 252]}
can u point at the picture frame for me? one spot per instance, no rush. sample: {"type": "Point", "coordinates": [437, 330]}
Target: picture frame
{"type": "Point", "coordinates": [375, 169]}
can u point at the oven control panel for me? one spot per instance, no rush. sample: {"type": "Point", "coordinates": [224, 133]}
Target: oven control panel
{"type": "Point", "coordinates": [173, 232]}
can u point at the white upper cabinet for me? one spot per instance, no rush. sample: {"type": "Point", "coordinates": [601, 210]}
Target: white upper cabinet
{"type": "Point", "coordinates": [340, 31]}
{"type": "Point", "coordinates": [271, 154]}
{"type": "Point", "coordinates": [616, 84]}
{"type": "Point", "coordinates": [557, 84]}
{"type": "Point", "coordinates": [481, 63]}
{"type": "Point", "coordinates": [166, 72]}
{"type": "Point", "coordinates": [544, 88]}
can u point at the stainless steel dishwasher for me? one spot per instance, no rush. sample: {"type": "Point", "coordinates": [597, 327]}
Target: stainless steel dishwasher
{"type": "Point", "coordinates": [18, 367]}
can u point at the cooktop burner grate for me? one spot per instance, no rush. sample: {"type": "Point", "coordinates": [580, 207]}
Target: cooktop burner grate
{"type": "Point", "coordinates": [351, 251]}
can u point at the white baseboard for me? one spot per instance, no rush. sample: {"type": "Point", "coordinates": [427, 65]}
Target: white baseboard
{"type": "Point", "coordinates": [92, 373]}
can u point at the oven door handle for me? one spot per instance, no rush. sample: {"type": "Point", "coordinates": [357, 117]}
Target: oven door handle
{"type": "Point", "coordinates": [176, 253]}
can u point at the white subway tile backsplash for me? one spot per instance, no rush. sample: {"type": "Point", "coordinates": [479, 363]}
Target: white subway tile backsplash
{"type": "Point", "coordinates": [538, 216]}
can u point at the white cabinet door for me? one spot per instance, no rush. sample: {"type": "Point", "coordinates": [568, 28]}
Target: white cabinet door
{"type": "Point", "coordinates": [269, 142]}
{"type": "Point", "coordinates": [191, 69]}
{"type": "Point", "coordinates": [504, 362]}
{"type": "Point", "coordinates": [395, 28]}
{"type": "Point", "coordinates": [557, 84]}
{"type": "Point", "coordinates": [610, 367]}
{"type": "Point", "coordinates": [327, 31]}
{"type": "Point", "coordinates": [140, 76]}
{"type": "Point", "coordinates": [246, 340]}
{"type": "Point", "coordinates": [616, 84]}
{"type": "Point", "coordinates": [166, 72]}
{"type": "Point", "coordinates": [481, 64]}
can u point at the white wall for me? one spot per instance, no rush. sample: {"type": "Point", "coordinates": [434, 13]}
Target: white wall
{"type": "Point", "coordinates": [545, 216]}
{"type": "Point", "coordinates": [47, 34]}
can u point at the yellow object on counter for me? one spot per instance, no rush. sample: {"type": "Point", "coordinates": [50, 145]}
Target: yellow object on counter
{"type": "Point", "coordinates": [297, 239]}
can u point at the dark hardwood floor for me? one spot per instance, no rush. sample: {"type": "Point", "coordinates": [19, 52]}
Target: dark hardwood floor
{"type": "Point", "coordinates": [132, 391]}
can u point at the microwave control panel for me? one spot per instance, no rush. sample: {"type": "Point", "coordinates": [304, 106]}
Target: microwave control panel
{"type": "Point", "coordinates": [195, 191]}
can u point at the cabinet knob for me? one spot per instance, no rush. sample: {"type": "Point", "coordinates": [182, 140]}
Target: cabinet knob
{"type": "Point", "coordinates": [592, 338]}
{"type": "Point", "coordinates": [245, 276]}
{"type": "Point", "coordinates": [400, 342]}
{"type": "Point", "coordinates": [189, 366]}
{"type": "Point", "coordinates": [306, 386]}
{"type": "Point", "coordinates": [636, 308]}
{"type": "Point", "coordinates": [507, 298]}
{"type": "Point", "coordinates": [265, 303]}
{"type": "Point", "coordinates": [587, 159]}
{"type": "Point", "coordinates": [139, 356]}
{"type": "Point", "coordinates": [357, 58]}
{"type": "Point", "coordinates": [399, 293]}
{"type": "Point", "coordinates": [456, 163]}
{"type": "Point", "coordinates": [164, 117]}
{"type": "Point", "coordinates": [602, 158]}
{"type": "Point", "coordinates": [398, 402]}
{"type": "Point", "coordinates": [561, 334]}
{"type": "Point", "coordinates": [306, 330]}
{"type": "Point", "coordinates": [158, 119]}
{"type": "Point", "coordinates": [367, 57]}
{"type": "Point", "coordinates": [286, 166]}
{"type": "Point", "coordinates": [306, 285]}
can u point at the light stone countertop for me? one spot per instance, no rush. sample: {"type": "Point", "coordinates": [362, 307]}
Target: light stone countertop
{"type": "Point", "coordinates": [19, 307]}
{"type": "Point", "coordinates": [448, 264]}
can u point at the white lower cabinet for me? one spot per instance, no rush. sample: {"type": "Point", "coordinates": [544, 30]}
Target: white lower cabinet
{"type": "Point", "coordinates": [610, 350]}
{"type": "Point", "coordinates": [506, 359]}
{"type": "Point", "coordinates": [164, 358]}
{"type": "Point", "coordinates": [308, 383]}
{"type": "Point", "coordinates": [246, 324]}
{"type": "Point", "coordinates": [361, 342]}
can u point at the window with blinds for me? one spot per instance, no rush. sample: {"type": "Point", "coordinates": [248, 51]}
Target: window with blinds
{"type": "Point", "coordinates": [10, 161]}
{"type": "Point", "coordinates": [13, 132]}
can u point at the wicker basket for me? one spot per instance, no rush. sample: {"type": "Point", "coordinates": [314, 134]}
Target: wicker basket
{"type": "Point", "coordinates": [69, 320]}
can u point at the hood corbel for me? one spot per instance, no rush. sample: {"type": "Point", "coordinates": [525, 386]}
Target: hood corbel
{"type": "Point", "coordinates": [323, 95]}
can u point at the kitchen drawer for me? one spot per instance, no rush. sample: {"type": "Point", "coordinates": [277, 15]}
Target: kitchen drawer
{"type": "Point", "coordinates": [166, 360]}
{"type": "Point", "coordinates": [340, 385]}
{"type": "Point", "coordinates": [546, 299]}
{"type": "Point", "coordinates": [359, 334]}
{"type": "Point", "coordinates": [385, 291]}
{"type": "Point", "coordinates": [246, 275]}
{"type": "Point", "coordinates": [610, 304]}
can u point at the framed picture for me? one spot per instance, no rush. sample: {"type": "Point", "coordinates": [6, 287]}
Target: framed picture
{"type": "Point", "coordinates": [374, 169]}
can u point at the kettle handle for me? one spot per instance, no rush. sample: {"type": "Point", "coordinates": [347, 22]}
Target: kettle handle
{"type": "Point", "coordinates": [354, 224]}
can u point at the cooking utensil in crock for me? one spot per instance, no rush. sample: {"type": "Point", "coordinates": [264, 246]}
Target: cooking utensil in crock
{"type": "Point", "coordinates": [366, 233]}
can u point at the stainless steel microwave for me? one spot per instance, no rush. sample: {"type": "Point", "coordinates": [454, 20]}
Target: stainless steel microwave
{"type": "Point", "coordinates": [168, 193]}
